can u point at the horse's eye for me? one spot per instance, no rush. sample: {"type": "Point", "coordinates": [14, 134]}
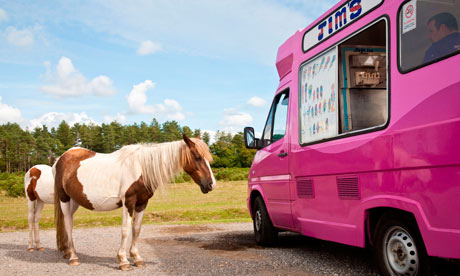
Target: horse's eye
{"type": "Point", "coordinates": [198, 158]}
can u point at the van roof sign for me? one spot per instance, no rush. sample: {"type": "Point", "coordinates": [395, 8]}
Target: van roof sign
{"type": "Point", "coordinates": [337, 20]}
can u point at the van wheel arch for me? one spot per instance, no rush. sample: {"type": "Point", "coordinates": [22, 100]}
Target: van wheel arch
{"type": "Point", "coordinates": [254, 195]}
{"type": "Point", "coordinates": [387, 228]}
{"type": "Point", "coordinates": [264, 232]}
{"type": "Point", "coordinates": [374, 215]}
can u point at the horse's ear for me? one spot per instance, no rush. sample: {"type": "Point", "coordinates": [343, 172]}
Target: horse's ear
{"type": "Point", "coordinates": [187, 140]}
{"type": "Point", "coordinates": [198, 137]}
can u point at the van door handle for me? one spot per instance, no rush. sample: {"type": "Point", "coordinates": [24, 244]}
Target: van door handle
{"type": "Point", "coordinates": [283, 154]}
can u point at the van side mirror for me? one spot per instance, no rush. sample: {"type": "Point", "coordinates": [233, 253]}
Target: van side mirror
{"type": "Point", "coordinates": [250, 141]}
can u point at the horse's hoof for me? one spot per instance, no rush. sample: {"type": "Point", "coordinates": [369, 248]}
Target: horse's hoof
{"type": "Point", "coordinates": [125, 267]}
{"type": "Point", "coordinates": [66, 256]}
{"type": "Point", "coordinates": [31, 250]}
{"type": "Point", "coordinates": [139, 264]}
{"type": "Point", "coordinates": [41, 249]}
{"type": "Point", "coordinates": [74, 262]}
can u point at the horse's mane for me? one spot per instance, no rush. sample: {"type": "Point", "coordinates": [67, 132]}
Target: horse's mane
{"type": "Point", "coordinates": [160, 163]}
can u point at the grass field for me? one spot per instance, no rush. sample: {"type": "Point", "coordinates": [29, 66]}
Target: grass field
{"type": "Point", "coordinates": [179, 203]}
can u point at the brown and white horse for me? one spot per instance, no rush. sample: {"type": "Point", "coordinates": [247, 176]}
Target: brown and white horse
{"type": "Point", "coordinates": [39, 188]}
{"type": "Point", "coordinates": [125, 178]}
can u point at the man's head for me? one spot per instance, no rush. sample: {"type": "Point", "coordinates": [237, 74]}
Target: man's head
{"type": "Point", "coordinates": [441, 25]}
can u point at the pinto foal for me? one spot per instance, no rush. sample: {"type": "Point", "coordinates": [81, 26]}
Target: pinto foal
{"type": "Point", "coordinates": [39, 188]}
{"type": "Point", "coordinates": [125, 178]}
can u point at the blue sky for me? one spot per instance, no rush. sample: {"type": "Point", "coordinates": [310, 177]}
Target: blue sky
{"type": "Point", "coordinates": [208, 64]}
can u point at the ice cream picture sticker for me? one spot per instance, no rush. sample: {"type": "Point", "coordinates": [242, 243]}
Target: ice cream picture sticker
{"type": "Point", "coordinates": [318, 84]}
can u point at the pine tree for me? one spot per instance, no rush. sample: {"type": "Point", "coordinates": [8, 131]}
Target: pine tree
{"type": "Point", "coordinates": [171, 131]}
{"type": "Point", "coordinates": [64, 136]}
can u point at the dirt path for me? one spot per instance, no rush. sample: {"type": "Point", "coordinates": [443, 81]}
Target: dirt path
{"type": "Point", "coordinates": [215, 249]}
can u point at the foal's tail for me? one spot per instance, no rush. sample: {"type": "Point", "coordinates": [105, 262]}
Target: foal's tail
{"type": "Point", "coordinates": [61, 235]}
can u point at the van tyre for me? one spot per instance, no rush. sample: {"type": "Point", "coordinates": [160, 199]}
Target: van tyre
{"type": "Point", "coordinates": [399, 248]}
{"type": "Point", "coordinates": [265, 233]}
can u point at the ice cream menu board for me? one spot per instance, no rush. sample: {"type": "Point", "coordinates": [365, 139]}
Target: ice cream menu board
{"type": "Point", "coordinates": [319, 100]}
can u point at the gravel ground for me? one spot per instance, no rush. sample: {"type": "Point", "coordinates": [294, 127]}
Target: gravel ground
{"type": "Point", "coordinates": [213, 249]}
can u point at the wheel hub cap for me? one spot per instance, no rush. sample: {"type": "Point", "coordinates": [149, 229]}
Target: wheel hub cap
{"type": "Point", "coordinates": [401, 253]}
{"type": "Point", "coordinates": [258, 220]}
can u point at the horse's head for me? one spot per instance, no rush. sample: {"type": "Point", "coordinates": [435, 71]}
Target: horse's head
{"type": "Point", "coordinates": [195, 161]}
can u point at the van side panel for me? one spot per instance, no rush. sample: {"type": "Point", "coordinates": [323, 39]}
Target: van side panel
{"type": "Point", "coordinates": [412, 164]}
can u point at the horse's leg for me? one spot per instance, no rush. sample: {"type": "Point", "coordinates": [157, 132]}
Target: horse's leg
{"type": "Point", "coordinates": [125, 232]}
{"type": "Point", "coordinates": [138, 261]}
{"type": "Point", "coordinates": [68, 209]}
{"type": "Point", "coordinates": [38, 210]}
{"type": "Point", "coordinates": [31, 205]}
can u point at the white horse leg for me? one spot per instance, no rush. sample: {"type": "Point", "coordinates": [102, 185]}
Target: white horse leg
{"type": "Point", "coordinates": [125, 232]}
{"type": "Point", "coordinates": [31, 205]}
{"type": "Point", "coordinates": [138, 261]}
{"type": "Point", "coordinates": [38, 210]}
{"type": "Point", "coordinates": [68, 209]}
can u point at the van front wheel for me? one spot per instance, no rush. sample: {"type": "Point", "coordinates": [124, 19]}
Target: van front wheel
{"type": "Point", "coordinates": [264, 231]}
{"type": "Point", "coordinates": [399, 247]}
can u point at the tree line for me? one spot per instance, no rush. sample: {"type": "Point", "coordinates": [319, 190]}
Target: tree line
{"type": "Point", "coordinates": [21, 149]}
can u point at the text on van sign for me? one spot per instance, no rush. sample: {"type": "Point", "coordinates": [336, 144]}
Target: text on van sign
{"type": "Point", "coordinates": [337, 20]}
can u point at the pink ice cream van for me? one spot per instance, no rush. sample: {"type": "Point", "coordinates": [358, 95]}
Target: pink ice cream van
{"type": "Point", "coordinates": [362, 142]}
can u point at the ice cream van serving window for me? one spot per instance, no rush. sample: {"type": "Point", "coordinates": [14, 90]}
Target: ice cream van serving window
{"type": "Point", "coordinates": [344, 89]}
{"type": "Point", "coordinates": [428, 32]}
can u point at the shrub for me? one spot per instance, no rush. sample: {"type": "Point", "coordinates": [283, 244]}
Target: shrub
{"type": "Point", "coordinates": [183, 177]}
{"type": "Point", "coordinates": [222, 174]}
{"type": "Point", "coordinates": [12, 184]}
{"type": "Point", "coordinates": [231, 174]}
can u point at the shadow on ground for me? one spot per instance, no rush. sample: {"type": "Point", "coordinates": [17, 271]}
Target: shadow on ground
{"type": "Point", "coordinates": [52, 256]}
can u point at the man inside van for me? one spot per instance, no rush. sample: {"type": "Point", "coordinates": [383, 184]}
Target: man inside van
{"type": "Point", "coordinates": [443, 32]}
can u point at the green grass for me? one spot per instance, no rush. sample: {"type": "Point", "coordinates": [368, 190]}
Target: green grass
{"type": "Point", "coordinates": [180, 203]}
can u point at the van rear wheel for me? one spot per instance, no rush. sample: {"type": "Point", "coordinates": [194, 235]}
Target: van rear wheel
{"type": "Point", "coordinates": [265, 233]}
{"type": "Point", "coordinates": [399, 247]}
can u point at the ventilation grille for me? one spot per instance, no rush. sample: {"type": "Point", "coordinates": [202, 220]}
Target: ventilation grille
{"type": "Point", "coordinates": [305, 188]}
{"type": "Point", "coordinates": [348, 187]}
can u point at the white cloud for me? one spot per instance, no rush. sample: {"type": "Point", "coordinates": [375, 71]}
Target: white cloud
{"type": "Point", "coordinates": [53, 119]}
{"type": "Point", "coordinates": [68, 81]}
{"type": "Point", "coordinates": [120, 117]}
{"type": "Point", "coordinates": [242, 29]}
{"type": "Point", "coordinates": [101, 86]}
{"type": "Point", "coordinates": [22, 38]}
{"type": "Point", "coordinates": [137, 100]}
{"type": "Point", "coordinates": [9, 114]}
{"type": "Point", "coordinates": [173, 110]}
{"type": "Point", "coordinates": [256, 102]}
{"type": "Point", "coordinates": [212, 135]}
{"type": "Point", "coordinates": [148, 47]}
{"type": "Point", "coordinates": [3, 15]}
{"type": "Point", "coordinates": [235, 120]}
{"type": "Point", "coordinates": [245, 29]}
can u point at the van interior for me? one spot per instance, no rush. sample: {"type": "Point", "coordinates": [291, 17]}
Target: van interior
{"type": "Point", "coordinates": [363, 91]}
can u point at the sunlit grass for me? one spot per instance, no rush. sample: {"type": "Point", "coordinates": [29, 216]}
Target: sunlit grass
{"type": "Point", "coordinates": [179, 203]}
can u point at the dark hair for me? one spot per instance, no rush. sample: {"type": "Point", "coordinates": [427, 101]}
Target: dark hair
{"type": "Point", "coordinates": [446, 19]}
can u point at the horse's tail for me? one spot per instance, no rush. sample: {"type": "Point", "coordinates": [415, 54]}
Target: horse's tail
{"type": "Point", "coordinates": [61, 235]}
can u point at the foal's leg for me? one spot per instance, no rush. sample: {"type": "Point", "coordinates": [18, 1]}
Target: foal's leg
{"type": "Point", "coordinates": [38, 210]}
{"type": "Point", "coordinates": [125, 232]}
{"type": "Point", "coordinates": [68, 209]}
{"type": "Point", "coordinates": [138, 261]}
{"type": "Point", "coordinates": [31, 213]}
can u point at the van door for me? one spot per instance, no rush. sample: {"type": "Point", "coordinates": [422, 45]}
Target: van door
{"type": "Point", "coordinates": [273, 163]}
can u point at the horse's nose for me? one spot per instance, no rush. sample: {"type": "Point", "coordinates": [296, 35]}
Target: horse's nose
{"type": "Point", "coordinates": [207, 186]}
{"type": "Point", "coordinates": [204, 190]}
